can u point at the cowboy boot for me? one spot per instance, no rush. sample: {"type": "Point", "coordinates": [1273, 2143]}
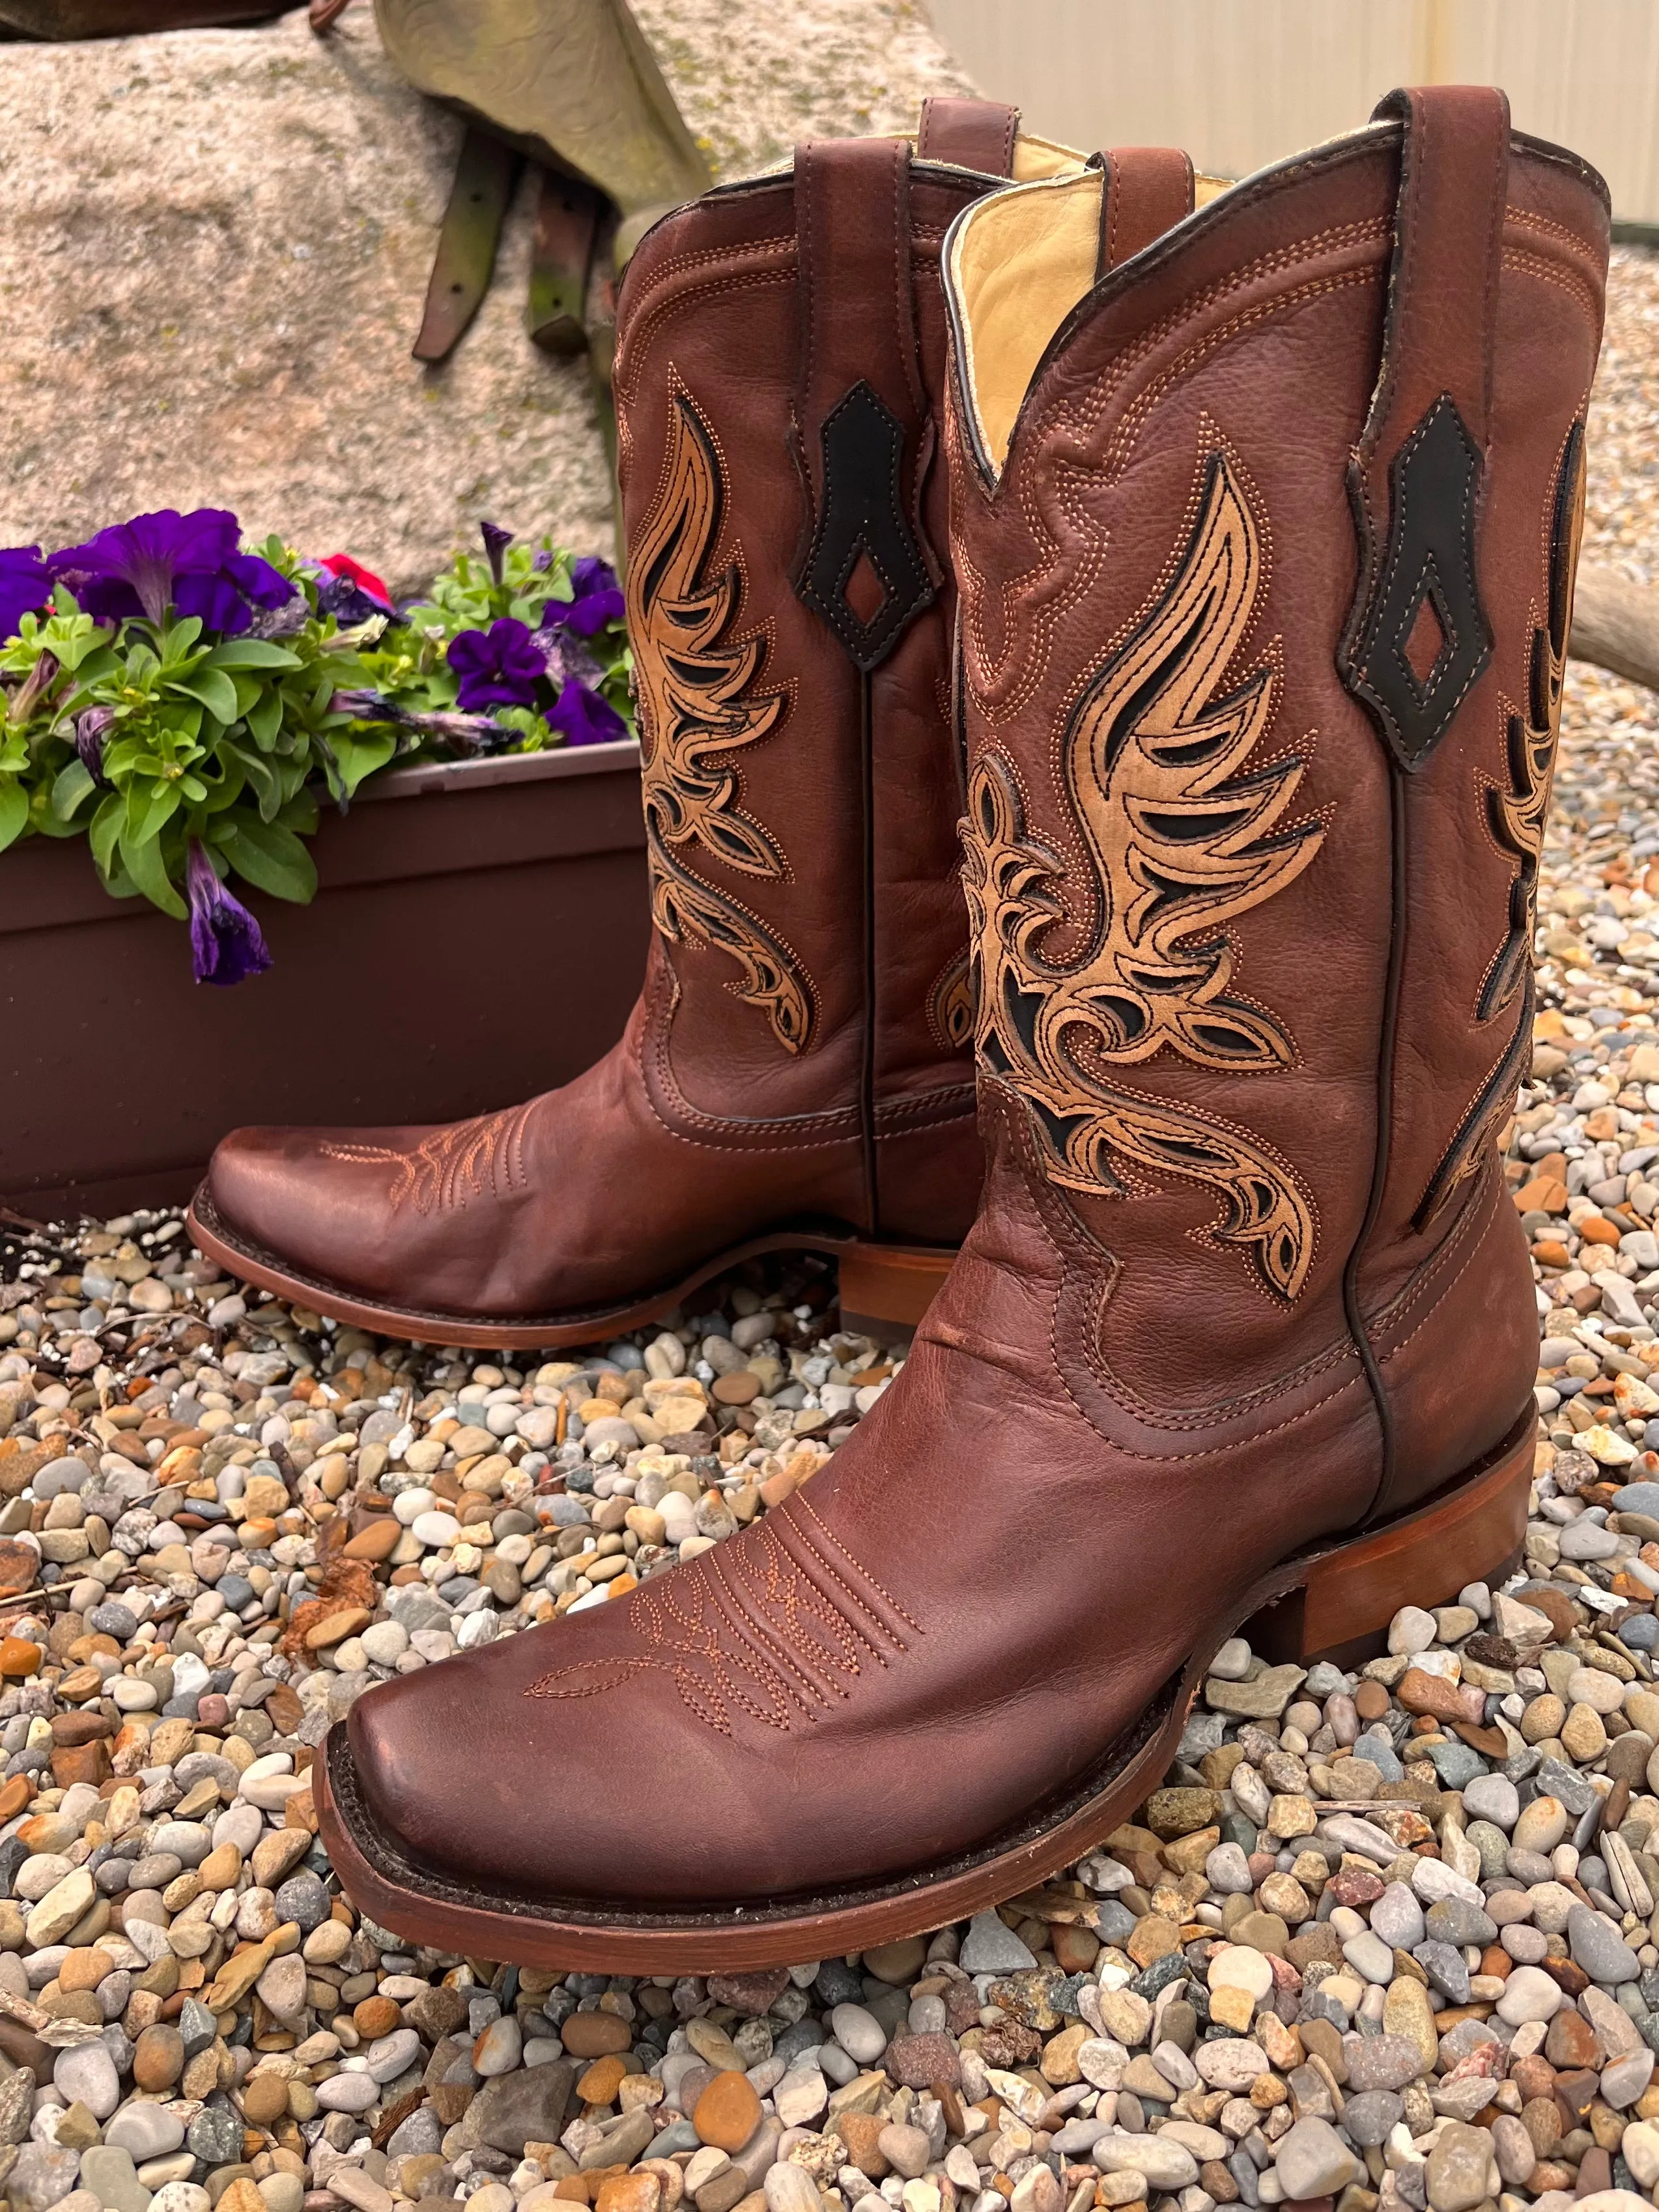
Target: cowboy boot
{"type": "Point", "coordinates": [1265, 546]}
{"type": "Point", "coordinates": [798, 1071]}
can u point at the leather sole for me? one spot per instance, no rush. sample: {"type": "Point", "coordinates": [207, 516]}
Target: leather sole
{"type": "Point", "coordinates": [885, 1289]}
{"type": "Point", "coordinates": [1331, 1600]}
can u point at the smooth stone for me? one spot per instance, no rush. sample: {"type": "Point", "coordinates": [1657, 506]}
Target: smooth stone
{"type": "Point", "coordinates": [991, 1946]}
{"type": "Point", "coordinates": [859, 2033]}
{"type": "Point", "coordinates": [42, 2176]}
{"type": "Point", "coordinates": [1311, 2158]}
{"type": "Point", "coordinates": [1492, 1797]}
{"type": "Point", "coordinates": [145, 2131]}
{"type": "Point", "coordinates": [87, 2074]}
{"type": "Point", "coordinates": [1529, 1993]}
{"type": "Point", "coordinates": [1368, 2117]}
{"type": "Point", "coordinates": [1460, 2168]}
{"type": "Point", "coordinates": [347, 2093]}
{"type": "Point", "coordinates": [1599, 1948]}
{"type": "Point", "coordinates": [1373, 1959]}
{"type": "Point", "coordinates": [1165, 2164]}
{"type": "Point", "coordinates": [1383, 2063]}
{"type": "Point", "coordinates": [107, 2171]}
{"type": "Point", "coordinates": [1397, 1917]}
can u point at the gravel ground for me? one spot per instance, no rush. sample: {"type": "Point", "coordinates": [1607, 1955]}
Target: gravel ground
{"type": "Point", "coordinates": [1382, 1939]}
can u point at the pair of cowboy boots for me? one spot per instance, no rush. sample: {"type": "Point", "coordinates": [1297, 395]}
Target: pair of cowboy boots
{"type": "Point", "coordinates": [1262, 520]}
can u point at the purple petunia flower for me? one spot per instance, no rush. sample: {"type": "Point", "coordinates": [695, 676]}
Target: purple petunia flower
{"type": "Point", "coordinates": [498, 667]}
{"type": "Point", "coordinates": [92, 728]}
{"type": "Point", "coordinates": [25, 585]}
{"type": "Point", "coordinates": [351, 603]}
{"type": "Point", "coordinates": [188, 562]}
{"type": "Point", "coordinates": [596, 599]}
{"type": "Point", "coordinates": [471, 733]}
{"type": "Point", "coordinates": [225, 943]}
{"type": "Point", "coordinates": [495, 543]}
{"type": "Point", "coordinates": [583, 718]}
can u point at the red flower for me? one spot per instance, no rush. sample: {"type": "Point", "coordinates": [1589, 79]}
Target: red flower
{"type": "Point", "coordinates": [342, 564]}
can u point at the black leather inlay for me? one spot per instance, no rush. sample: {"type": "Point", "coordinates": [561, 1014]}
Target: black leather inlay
{"type": "Point", "coordinates": [862, 518]}
{"type": "Point", "coordinates": [1430, 559]}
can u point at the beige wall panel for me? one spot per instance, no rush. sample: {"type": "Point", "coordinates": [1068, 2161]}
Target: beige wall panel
{"type": "Point", "coordinates": [1242, 83]}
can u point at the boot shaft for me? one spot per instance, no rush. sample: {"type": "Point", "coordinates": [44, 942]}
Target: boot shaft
{"type": "Point", "coordinates": [781, 351]}
{"type": "Point", "coordinates": [1265, 546]}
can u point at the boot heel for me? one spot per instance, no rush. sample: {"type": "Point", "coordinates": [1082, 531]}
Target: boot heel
{"type": "Point", "coordinates": [885, 1289]}
{"type": "Point", "coordinates": [1472, 1531]}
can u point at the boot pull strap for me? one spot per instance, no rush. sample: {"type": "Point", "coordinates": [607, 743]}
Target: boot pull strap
{"type": "Point", "coordinates": [1418, 637]}
{"type": "Point", "coordinates": [971, 134]}
{"type": "Point", "coordinates": [1144, 190]}
{"type": "Point", "coordinates": [863, 430]}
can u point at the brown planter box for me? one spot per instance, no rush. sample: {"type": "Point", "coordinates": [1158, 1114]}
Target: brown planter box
{"type": "Point", "coordinates": [479, 935]}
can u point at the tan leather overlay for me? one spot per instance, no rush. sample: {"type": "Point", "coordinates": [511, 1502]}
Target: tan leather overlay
{"type": "Point", "coordinates": [951, 1006]}
{"type": "Point", "coordinates": [1516, 816]}
{"type": "Point", "coordinates": [1178, 843]}
{"type": "Point", "coordinates": [700, 699]}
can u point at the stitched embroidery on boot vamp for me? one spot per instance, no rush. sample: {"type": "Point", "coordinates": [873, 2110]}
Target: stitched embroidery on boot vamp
{"type": "Point", "coordinates": [461, 1161]}
{"type": "Point", "coordinates": [1179, 837]}
{"type": "Point", "coordinates": [699, 701]}
{"type": "Point", "coordinates": [749, 1628]}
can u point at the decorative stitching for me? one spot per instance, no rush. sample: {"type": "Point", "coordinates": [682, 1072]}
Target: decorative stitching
{"type": "Point", "coordinates": [1180, 839]}
{"type": "Point", "coordinates": [1343, 1355]}
{"type": "Point", "coordinates": [751, 1627]}
{"type": "Point", "coordinates": [1003, 684]}
{"type": "Point", "coordinates": [1478, 1124]}
{"type": "Point", "coordinates": [700, 700]}
{"type": "Point", "coordinates": [450, 1165]}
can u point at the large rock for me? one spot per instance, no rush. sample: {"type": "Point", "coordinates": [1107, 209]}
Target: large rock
{"type": "Point", "coordinates": [218, 246]}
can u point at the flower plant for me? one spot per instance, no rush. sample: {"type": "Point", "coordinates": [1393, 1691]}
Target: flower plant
{"type": "Point", "coordinates": [187, 704]}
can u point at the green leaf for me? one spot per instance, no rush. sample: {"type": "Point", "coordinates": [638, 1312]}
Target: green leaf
{"type": "Point", "coordinates": [212, 687]}
{"type": "Point", "coordinates": [73, 783]}
{"type": "Point", "coordinates": [149, 870]}
{"type": "Point", "coordinates": [150, 807]}
{"type": "Point", "coordinates": [104, 829]}
{"type": "Point", "coordinates": [14, 813]}
{"type": "Point", "coordinates": [264, 718]}
{"type": "Point", "coordinates": [271, 858]}
{"type": "Point", "coordinates": [267, 788]}
{"type": "Point", "coordinates": [178, 640]}
{"type": "Point", "coordinates": [360, 756]}
{"type": "Point", "coordinates": [301, 811]}
{"type": "Point", "coordinates": [251, 653]}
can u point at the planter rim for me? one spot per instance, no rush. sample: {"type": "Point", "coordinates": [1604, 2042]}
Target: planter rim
{"type": "Point", "coordinates": [429, 776]}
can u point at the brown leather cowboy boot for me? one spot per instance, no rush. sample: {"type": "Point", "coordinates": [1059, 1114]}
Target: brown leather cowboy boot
{"type": "Point", "coordinates": [1265, 544]}
{"type": "Point", "coordinates": [798, 1071]}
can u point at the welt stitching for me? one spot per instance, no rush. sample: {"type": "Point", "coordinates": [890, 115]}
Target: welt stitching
{"type": "Point", "coordinates": [692, 296]}
{"type": "Point", "coordinates": [1404, 1303]}
{"type": "Point", "coordinates": [737, 1128]}
{"type": "Point", "coordinates": [1132, 1451]}
{"type": "Point", "coordinates": [1494, 265]}
{"type": "Point", "coordinates": [1570, 281]}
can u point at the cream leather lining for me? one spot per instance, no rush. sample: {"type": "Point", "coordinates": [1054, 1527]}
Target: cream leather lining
{"type": "Point", "coordinates": [1020, 261]}
{"type": "Point", "coordinates": [1036, 158]}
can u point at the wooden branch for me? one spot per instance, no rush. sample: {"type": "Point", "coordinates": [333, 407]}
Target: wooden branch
{"type": "Point", "coordinates": [1615, 624]}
